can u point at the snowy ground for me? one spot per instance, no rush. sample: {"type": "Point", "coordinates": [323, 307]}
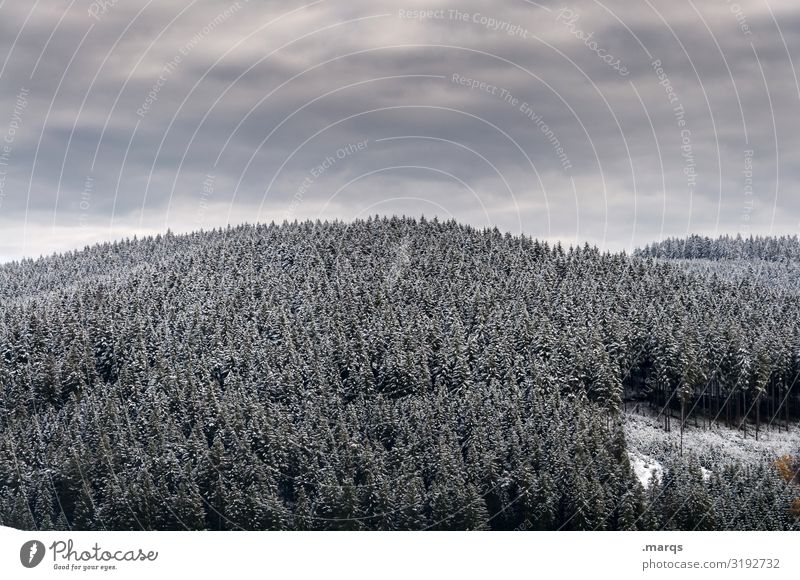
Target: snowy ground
{"type": "Point", "coordinates": [649, 445]}
{"type": "Point", "coordinates": [644, 466]}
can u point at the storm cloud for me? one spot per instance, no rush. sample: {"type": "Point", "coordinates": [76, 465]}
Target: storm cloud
{"type": "Point", "coordinates": [615, 123]}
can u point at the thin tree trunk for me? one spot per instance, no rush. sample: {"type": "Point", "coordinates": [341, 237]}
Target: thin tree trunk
{"type": "Point", "coordinates": [744, 411]}
{"type": "Point", "coordinates": [704, 411]}
{"type": "Point", "coordinates": [758, 414]}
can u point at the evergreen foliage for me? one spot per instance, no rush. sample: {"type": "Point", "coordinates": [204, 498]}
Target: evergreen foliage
{"type": "Point", "coordinates": [384, 374]}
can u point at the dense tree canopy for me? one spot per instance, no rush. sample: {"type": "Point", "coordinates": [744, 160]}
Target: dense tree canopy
{"type": "Point", "coordinates": [769, 248]}
{"type": "Point", "coordinates": [383, 374]}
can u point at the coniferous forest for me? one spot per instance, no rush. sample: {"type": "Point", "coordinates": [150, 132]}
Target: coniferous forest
{"type": "Point", "coordinates": [392, 374]}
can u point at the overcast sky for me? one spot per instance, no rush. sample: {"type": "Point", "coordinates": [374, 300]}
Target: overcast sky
{"type": "Point", "coordinates": [612, 122]}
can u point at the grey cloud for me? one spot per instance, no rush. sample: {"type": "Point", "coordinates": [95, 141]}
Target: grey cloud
{"type": "Point", "coordinates": [206, 83]}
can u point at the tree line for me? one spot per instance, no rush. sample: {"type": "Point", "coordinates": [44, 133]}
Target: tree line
{"type": "Point", "coordinates": [389, 373]}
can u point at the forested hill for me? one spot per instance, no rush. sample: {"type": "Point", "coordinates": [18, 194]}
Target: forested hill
{"type": "Point", "coordinates": [771, 261]}
{"type": "Point", "coordinates": [108, 260]}
{"type": "Point", "coordinates": [383, 374]}
{"type": "Point", "coordinates": [773, 249]}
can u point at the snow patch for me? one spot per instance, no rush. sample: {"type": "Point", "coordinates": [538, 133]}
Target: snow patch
{"type": "Point", "coordinates": [649, 444]}
{"type": "Point", "coordinates": [644, 467]}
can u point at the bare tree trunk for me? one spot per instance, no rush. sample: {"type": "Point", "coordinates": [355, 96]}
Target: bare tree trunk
{"type": "Point", "coordinates": [744, 417]}
{"type": "Point", "coordinates": [727, 406]}
{"type": "Point", "coordinates": [705, 406]}
{"type": "Point", "coordinates": [758, 414]}
{"type": "Point", "coordinates": [771, 402]}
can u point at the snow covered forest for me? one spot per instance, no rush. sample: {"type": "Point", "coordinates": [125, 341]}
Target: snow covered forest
{"type": "Point", "coordinates": [773, 249]}
{"type": "Point", "coordinates": [395, 374]}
